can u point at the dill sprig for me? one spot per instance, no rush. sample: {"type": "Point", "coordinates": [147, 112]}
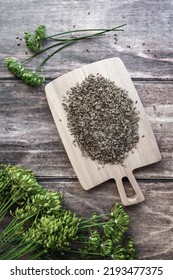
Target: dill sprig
{"type": "Point", "coordinates": [35, 41]}
{"type": "Point", "coordinates": [41, 228]}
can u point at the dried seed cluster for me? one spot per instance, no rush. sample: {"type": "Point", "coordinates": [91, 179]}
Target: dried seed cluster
{"type": "Point", "coordinates": [102, 119]}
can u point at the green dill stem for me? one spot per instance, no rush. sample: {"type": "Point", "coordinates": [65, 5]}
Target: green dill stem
{"type": "Point", "coordinates": [91, 219]}
{"type": "Point", "coordinates": [55, 45]}
{"type": "Point", "coordinates": [72, 31]}
{"type": "Point", "coordinates": [71, 40]}
{"type": "Point", "coordinates": [77, 241]}
{"type": "Point", "coordinates": [91, 35]}
{"type": "Point", "coordinates": [87, 254]}
{"type": "Point", "coordinates": [44, 61]}
{"type": "Point", "coordinates": [7, 205]}
{"type": "Point", "coordinates": [10, 225]}
{"type": "Point", "coordinates": [2, 214]}
{"type": "Point", "coordinates": [4, 186]}
{"type": "Point", "coordinates": [9, 252]}
{"type": "Point", "coordinates": [37, 255]}
{"type": "Point", "coordinates": [92, 225]}
{"type": "Point", "coordinates": [84, 30]}
{"type": "Point", "coordinates": [10, 228]}
{"type": "Point", "coordinates": [9, 236]}
{"type": "Point", "coordinates": [43, 50]}
{"type": "Point", "coordinates": [5, 208]}
{"type": "Point", "coordinates": [26, 249]}
{"type": "Point", "coordinates": [4, 205]}
{"type": "Point", "coordinates": [7, 240]}
{"type": "Point", "coordinates": [95, 34]}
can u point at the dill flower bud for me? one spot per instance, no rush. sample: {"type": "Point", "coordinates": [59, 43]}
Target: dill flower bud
{"type": "Point", "coordinates": [107, 247]}
{"type": "Point", "coordinates": [31, 42]}
{"type": "Point", "coordinates": [109, 228]}
{"type": "Point", "coordinates": [32, 78]}
{"type": "Point", "coordinates": [27, 211]}
{"type": "Point", "coordinates": [47, 202]}
{"type": "Point", "coordinates": [118, 253]}
{"type": "Point", "coordinates": [118, 236]}
{"type": "Point", "coordinates": [120, 217]}
{"type": "Point", "coordinates": [34, 41]}
{"type": "Point", "coordinates": [112, 231]}
{"type": "Point", "coordinates": [14, 66]}
{"type": "Point", "coordinates": [130, 249]}
{"type": "Point", "coordinates": [20, 213]}
{"type": "Point", "coordinates": [23, 183]}
{"type": "Point", "coordinates": [54, 231]}
{"type": "Point", "coordinates": [40, 32]}
{"type": "Point", "coordinates": [94, 240]}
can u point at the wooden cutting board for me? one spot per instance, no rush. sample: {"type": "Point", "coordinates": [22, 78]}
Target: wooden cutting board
{"type": "Point", "coordinates": [90, 173]}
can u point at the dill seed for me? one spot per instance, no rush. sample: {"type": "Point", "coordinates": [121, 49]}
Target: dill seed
{"type": "Point", "coordinates": [102, 118]}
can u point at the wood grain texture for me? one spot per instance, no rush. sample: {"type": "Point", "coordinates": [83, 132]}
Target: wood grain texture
{"type": "Point", "coordinates": [144, 46]}
{"type": "Point", "coordinates": [28, 135]}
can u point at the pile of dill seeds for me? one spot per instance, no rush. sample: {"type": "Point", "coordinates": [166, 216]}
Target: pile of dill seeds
{"type": "Point", "coordinates": [102, 119]}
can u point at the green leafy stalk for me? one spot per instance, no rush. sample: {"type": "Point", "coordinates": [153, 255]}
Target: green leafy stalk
{"type": "Point", "coordinates": [106, 237]}
{"type": "Point", "coordinates": [35, 42]}
{"type": "Point", "coordinates": [102, 31]}
{"type": "Point", "coordinates": [42, 229]}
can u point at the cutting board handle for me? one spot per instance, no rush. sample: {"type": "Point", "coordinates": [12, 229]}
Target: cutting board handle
{"type": "Point", "coordinates": [138, 197]}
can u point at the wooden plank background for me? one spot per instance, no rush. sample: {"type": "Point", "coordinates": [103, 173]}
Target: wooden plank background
{"type": "Point", "coordinates": [28, 135]}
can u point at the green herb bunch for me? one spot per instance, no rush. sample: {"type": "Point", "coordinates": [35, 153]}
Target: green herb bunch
{"type": "Point", "coordinates": [106, 238]}
{"type": "Point", "coordinates": [35, 42]}
{"type": "Point", "coordinates": [41, 228]}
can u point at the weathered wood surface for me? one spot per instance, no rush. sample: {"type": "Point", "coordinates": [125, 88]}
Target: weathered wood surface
{"type": "Point", "coordinates": [145, 46]}
{"type": "Point", "coordinates": [28, 135]}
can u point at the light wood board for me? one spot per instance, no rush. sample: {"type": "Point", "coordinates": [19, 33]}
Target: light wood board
{"type": "Point", "coordinates": [90, 173]}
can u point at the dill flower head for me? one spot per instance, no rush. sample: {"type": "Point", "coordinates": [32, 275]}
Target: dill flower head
{"type": "Point", "coordinates": [112, 231]}
{"type": "Point", "coordinates": [107, 247]}
{"type": "Point", "coordinates": [118, 253]}
{"type": "Point", "coordinates": [34, 41]}
{"type": "Point", "coordinates": [130, 249]}
{"type": "Point", "coordinates": [17, 183]}
{"type": "Point", "coordinates": [94, 240]}
{"type": "Point", "coordinates": [47, 202]}
{"type": "Point", "coordinates": [120, 217]}
{"type": "Point", "coordinates": [54, 231]}
{"type": "Point", "coordinates": [109, 228]}
{"type": "Point", "coordinates": [32, 78]}
{"type": "Point", "coordinates": [40, 32]}
{"type": "Point", "coordinates": [14, 66]}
